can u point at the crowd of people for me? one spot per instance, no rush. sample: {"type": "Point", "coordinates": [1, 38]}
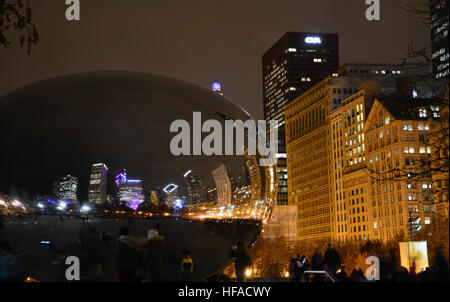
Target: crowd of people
{"type": "Point", "coordinates": [330, 263]}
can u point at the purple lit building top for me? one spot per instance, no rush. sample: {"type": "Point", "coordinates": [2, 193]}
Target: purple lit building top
{"type": "Point", "coordinates": [130, 192]}
{"type": "Point", "coordinates": [216, 86]}
{"type": "Point", "coordinates": [121, 178]}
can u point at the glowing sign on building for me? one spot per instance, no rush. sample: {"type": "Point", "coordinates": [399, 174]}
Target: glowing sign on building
{"type": "Point", "coordinates": [169, 188]}
{"type": "Point", "coordinates": [313, 40]}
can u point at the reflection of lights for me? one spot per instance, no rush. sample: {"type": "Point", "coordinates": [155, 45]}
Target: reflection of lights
{"type": "Point", "coordinates": [248, 273]}
{"type": "Point", "coordinates": [170, 188]}
{"type": "Point", "coordinates": [62, 205]}
{"type": "Point", "coordinates": [216, 86]}
{"type": "Point", "coordinates": [178, 204]}
{"type": "Point", "coordinates": [134, 180]}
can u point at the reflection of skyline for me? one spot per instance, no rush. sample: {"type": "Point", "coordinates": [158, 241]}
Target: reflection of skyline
{"type": "Point", "coordinates": [73, 127]}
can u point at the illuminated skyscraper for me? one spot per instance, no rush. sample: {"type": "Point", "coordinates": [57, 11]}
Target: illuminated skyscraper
{"type": "Point", "coordinates": [211, 195]}
{"type": "Point", "coordinates": [309, 160]}
{"type": "Point", "coordinates": [439, 38]}
{"type": "Point", "coordinates": [196, 191]}
{"type": "Point", "coordinates": [68, 188]}
{"type": "Point", "coordinates": [171, 191]}
{"type": "Point", "coordinates": [255, 177]}
{"type": "Point", "coordinates": [223, 186]}
{"type": "Point", "coordinates": [130, 193]}
{"type": "Point", "coordinates": [97, 184]}
{"type": "Point", "coordinates": [296, 62]}
{"type": "Point", "coordinates": [154, 198]}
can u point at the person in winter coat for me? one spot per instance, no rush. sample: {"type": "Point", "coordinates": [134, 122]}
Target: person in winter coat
{"type": "Point", "coordinates": [153, 257]}
{"type": "Point", "coordinates": [187, 266]}
{"type": "Point", "coordinates": [127, 257]}
{"type": "Point", "coordinates": [292, 270]}
{"type": "Point", "coordinates": [332, 259]}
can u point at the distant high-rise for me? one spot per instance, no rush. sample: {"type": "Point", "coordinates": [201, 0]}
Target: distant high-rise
{"type": "Point", "coordinates": [309, 157]}
{"type": "Point", "coordinates": [154, 198]}
{"type": "Point", "coordinates": [255, 177]}
{"type": "Point", "coordinates": [97, 184]}
{"type": "Point", "coordinates": [171, 194]}
{"type": "Point", "coordinates": [130, 193]}
{"type": "Point", "coordinates": [196, 191]}
{"type": "Point", "coordinates": [68, 188]}
{"type": "Point", "coordinates": [217, 87]}
{"type": "Point", "coordinates": [296, 62]}
{"type": "Point", "coordinates": [211, 195]}
{"type": "Point", "coordinates": [439, 37]}
{"type": "Point", "coordinates": [223, 186]}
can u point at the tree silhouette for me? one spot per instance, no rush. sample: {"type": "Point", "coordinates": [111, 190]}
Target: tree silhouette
{"type": "Point", "coordinates": [16, 15]}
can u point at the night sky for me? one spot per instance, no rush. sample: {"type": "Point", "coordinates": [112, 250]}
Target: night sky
{"type": "Point", "coordinates": [200, 41]}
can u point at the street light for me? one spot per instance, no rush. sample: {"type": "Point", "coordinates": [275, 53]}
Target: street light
{"type": "Point", "coordinates": [62, 205]}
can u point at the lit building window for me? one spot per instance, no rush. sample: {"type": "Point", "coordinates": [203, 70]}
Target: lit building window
{"type": "Point", "coordinates": [422, 112]}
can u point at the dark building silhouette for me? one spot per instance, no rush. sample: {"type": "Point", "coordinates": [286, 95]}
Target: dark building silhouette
{"type": "Point", "coordinates": [439, 37]}
{"type": "Point", "coordinates": [296, 62]}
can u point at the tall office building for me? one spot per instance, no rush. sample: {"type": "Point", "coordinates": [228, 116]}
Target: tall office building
{"type": "Point", "coordinates": [333, 149]}
{"type": "Point", "coordinates": [172, 197]}
{"type": "Point", "coordinates": [211, 195]}
{"type": "Point", "coordinates": [397, 132]}
{"type": "Point", "coordinates": [154, 198]}
{"type": "Point", "coordinates": [97, 184]}
{"type": "Point", "coordinates": [223, 186]}
{"type": "Point", "coordinates": [309, 157]}
{"type": "Point", "coordinates": [296, 62]}
{"type": "Point", "coordinates": [351, 209]}
{"type": "Point", "coordinates": [196, 191]}
{"type": "Point", "coordinates": [439, 21]}
{"type": "Point", "coordinates": [130, 193]}
{"type": "Point", "coordinates": [68, 188]}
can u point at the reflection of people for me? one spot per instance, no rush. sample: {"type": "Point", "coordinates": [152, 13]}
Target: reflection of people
{"type": "Point", "coordinates": [331, 259]}
{"type": "Point", "coordinates": [242, 260]}
{"type": "Point", "coordinates": [152, 262]}
{"type": "Point", "coordinates": [317, 262]}
{"type": "Point", "coordinates": [187, 266]}
{"type": "Point", "coordinates": [292, 270]}
{"type": "Point", "coordinates": [126, 262]}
